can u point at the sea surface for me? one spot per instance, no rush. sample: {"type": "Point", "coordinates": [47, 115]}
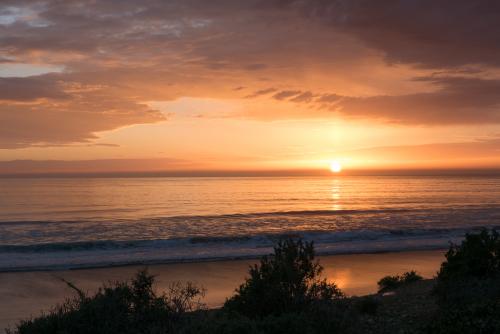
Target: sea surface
{"type": "Point", "coordinates": [54, 223]}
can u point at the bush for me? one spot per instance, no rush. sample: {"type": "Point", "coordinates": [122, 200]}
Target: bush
{"type": "Point", "coordinates": [477, 256]}
{"type": "Point", "coordinates": [469, 307]}
{"type": "Point", "coordinates": [470, 268]}
{"type": "Point", "coordinates": [318, 318]}
{"type": "Point", "coordinates": [286, 282]}
{"type": "Point", "coordinates": [121, 307]}
{"type": "Point", "coordinates": [389, 283]}
{"type": "Point", "coordinates": [468, 286]}
{"type": "Point", "coordinates": [367, 305]}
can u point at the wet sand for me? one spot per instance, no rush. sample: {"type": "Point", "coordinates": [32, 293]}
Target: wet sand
{"type": "Point", "coordinates": [25, 294]}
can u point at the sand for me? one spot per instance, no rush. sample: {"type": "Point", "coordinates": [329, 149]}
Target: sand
{"type": "Point", "coordinates": [25, 294]}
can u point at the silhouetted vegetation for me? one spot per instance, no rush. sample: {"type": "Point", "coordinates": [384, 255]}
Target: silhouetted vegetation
{"type": "Point", "coordinates": [389, 283]}
{"type": "Point", "coordinates": [367, 305]}
{"type": "Point", "coordinates": [327, 318]}
{"type": "Point", "coordinates": [285, 293]}
{"type": "Point", "coordinates": [287, 281]}
{"type": "Point", "coordinates": [478, 256]}
{"type": "Point", "coordinates": [122, 307]}
{"type": "Point", "coordinates": [468, 286]}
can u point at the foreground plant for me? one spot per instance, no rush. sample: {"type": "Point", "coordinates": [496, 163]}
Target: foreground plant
{"type": "Point", "coordinates": [389, 283]}
{"type": "Point", "coordinates": [468, 286]}
{"type": "Point", "coordinates": [478, 256]}
{"type": "Point", "coordinates": [122, 307]}
{"type": "Point", "coordinates": [287, 281]}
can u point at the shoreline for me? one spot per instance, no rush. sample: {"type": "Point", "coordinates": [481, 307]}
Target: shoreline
{"type": "Point", "coordinates": [142, 263]}
{"type": "Point", "coordinates": [30, 292]}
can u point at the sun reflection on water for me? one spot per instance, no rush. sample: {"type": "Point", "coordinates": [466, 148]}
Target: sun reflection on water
{"type": "Point", "coordinates": [335, 195]}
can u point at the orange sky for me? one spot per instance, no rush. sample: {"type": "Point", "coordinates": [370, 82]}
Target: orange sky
{"type": "Point", "coordinates": [248, 85]}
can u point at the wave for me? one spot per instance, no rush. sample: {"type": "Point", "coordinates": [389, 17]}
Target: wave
{"type": "Point", "coordinates": [251, 215]}
{"type": "Point", "coordinates": [318, 236]}
{"type": "Point", "coordinates": [100, 253]}
{"type": "Point", "coordinates": [221, 216]}
{"type": "Point", "coordinates": [35, 245]}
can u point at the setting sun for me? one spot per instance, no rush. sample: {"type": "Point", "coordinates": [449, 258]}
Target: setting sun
{"type": "Point", "coordinates": [335, 167]}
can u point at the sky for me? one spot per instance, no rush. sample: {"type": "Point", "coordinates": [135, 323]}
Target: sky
{"type": "Point", "coordinates": [107, 86]}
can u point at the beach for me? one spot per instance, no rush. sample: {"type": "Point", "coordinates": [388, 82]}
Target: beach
{"type": "Point", "coordinates": [26, 294]}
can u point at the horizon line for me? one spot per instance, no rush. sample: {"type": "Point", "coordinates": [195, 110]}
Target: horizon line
{"type": "Point", "coordinates": [485, 171]}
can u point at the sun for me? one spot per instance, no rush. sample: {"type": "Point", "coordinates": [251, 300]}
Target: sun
{"type": "Point", "coordinates": [335, 167]}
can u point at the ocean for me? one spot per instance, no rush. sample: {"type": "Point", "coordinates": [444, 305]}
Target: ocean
{"type": "Point", "coordinates": [56, 223]}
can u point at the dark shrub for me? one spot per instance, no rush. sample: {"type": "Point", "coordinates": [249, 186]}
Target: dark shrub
{"type": "Point", "coordinates": [317, 318]}
{"type": "Point", "coordinates": [367, 305]}
{"type": "Point", "coordinates": [469, 307]}
{"type": "Point", "coordinates": [287, 281]}
{"type": "Point", "coordinates": [323, 319]}
{"type": "Point", "coordinates": [471, 268]}
{"type": "Point", "coordinates": [468, 286]}
{"type": "Point", "coordinates": [216, 322]}
{"type": "Point", "coordinates": [121, 307]}
{"type": "Point", "coordinates": [411, 276]}
{"type": "Point", "coordinates": [477, 256]}
{"type": "Point", "coordinates": [389, 283]}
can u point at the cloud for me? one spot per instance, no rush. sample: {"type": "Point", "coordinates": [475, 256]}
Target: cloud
{"type": "Point", "coordinates": [303, 97]}
{"type": "Point", "coordinates": [329, 98]}
{"type": "Point", "coordinates": [430, 33]}
{"type": "Point", "coordinates": [454, 100]}
{"type": "Point", "coordinates": [38, 111]}
{"type": "Point", "coordinates": [261, 92]}
{"type": "Point", "coordinates": [255, 67]}
{"type": "Point", "coordinates": [329, 57]}
{"type": "Point", "coordinates": [457, 101]}
{"type": "Point", "coordinates": [481, 152]}
{"type": "Point", "coordinates": [28, 89]}
{"type": "Point", "coordinates": [92, 166]}
{"type": "Point", "coordinates": [285, 94]}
